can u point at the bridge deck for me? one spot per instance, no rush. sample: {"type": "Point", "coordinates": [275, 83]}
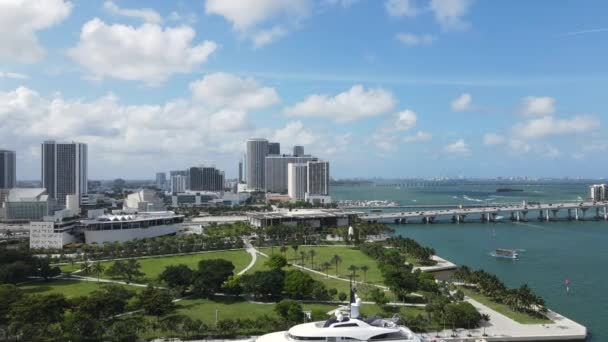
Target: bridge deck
{"type": "Point", "coordinates": [511, 208]}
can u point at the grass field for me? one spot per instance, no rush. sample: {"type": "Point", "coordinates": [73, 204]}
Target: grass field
{"type": "Point", "coordinates": [69, 288]}
{"type": "Point", "coordinates": [152, 267]}
{"type": "Point", "coordinates": [519, 317]}
{"type": "Point", "coordinates": [204, 309]}
{"type": "Point", "coordinates": [349, 256]}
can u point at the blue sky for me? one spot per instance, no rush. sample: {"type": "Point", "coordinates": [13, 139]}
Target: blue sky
{"type": "Point", "coordinates": [390, 88]}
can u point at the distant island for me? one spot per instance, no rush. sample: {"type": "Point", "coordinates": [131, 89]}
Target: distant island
{"type": "Point", "coordinates": [508, 190]}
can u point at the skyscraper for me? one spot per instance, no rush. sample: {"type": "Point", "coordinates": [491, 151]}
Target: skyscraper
{"type": "Point", "coordinates": [8, 173]}
{"type": "Point", "coordinates": [296, 180]}
{"type": "Point", "coordinates": [178, 183]}
{"type": "Point", "coordinates": [274, 148]}
{"type": "Point", "coordinates": [161, 180]}
{"type": "Point", "coordinates": [240, 180]}
{"type": "Point", "coordinates": [257, 150]}
{"type": "Point", "coordinates": [298, 150]}
{"type": "Point", "coordinates": [276, 171]}
{"type": "Point", "coordinates": [206, 179]}
{"type": "Point", "coordinates": [64, 169]}
{"type": "Point", "coordinates": [317, 180]}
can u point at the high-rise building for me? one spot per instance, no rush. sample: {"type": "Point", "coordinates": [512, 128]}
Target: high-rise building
{"type": "Point", "coordinates": [206, 179]}
{"type": "Point", "coordinates": [276, 171]}
{"type": "Point", "coordinates": [317, 180]}
{"type": "Point", "coordinates": [598, 192]}
{"type": "Point", "coordinates": [8, 173]}
{"type": "Point", "coordinates": [296, 180]}
{"type": "Point", "coordinates": [178, 183]}
{"type": "Point", "coordinates": [64, 169]}
{"type": "Point", "coordinates": [274, 148]}
{"type": "Point", "coordinates": [240, 180]}
{"type": "Point", "coordinates": [185, 173]}
{"type": "Point", "coordinates": [161, 180]}
{"type": "Point", "coordinates": [257, 150]}
{"type": "Point", "coordinates": [298, 150]}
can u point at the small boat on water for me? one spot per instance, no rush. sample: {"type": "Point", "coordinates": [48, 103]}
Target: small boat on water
{"type": "Point", "coordinates": [376, 210]}
{"type": "Point", "coordinates": [505, 253]}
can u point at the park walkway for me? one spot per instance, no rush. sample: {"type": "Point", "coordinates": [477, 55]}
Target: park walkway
{"type": "Point", "coordinates": [254, 257]}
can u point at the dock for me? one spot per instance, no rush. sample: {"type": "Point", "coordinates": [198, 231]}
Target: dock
{"type": "Point", "coordinates": [515, 212]}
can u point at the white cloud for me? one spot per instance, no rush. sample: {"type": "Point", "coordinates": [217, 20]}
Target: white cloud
{"type": "Point", "coordinates": [230, 120]}
{"type": "Point", "coordinates": [401, 8]}
{"type": "Point", "coordinates": [458, 147]}
{"type": "Point", "coordinates": [519, 146]}
{"type": "Point", "coordinates": [343, 3]}
{"type": "Point", "coordinates": [146, 53]}
{"type": "Point", "coordinates": [410, 39]}
{"type": "Point", "coordinates": [462, 103]}
{"type": "Point", "coordinates": [226, 90]}
{"type": "Point", "coordinates": [419, 136]}
{"type": "Point", "coordinates": [548, 126]}
{"type": "Point", "coordinates": [265, 37]}
{"type": "Point", "coordinates": [450, 13]}
{"type": "Point", "coordinates": [405, 120]}
{"type": "Point", "coordinates": [21, 20]}
{"type": "Point", "coordinates": [247, 17]}
{"type": "Point", "coordinates": [146, 14]}
{"type": "Point", "coordinates": [538, 105]}
{"type": "Point", "coordinates": [493, 139]}
{"type": "Point", "coordinates": [353, 104]}
{"type": "Point", "coordinates": [294, 133]}
{"type": "Point", "coordinates": [13, 75]}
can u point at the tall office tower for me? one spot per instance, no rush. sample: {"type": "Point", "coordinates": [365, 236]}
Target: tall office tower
{"type": "Point", "coordinates": [244, 161]}
{"type": "Point", "coordinates": [161, 180]}
{"type": "Point", "coordinates": [296, 180]}
{"type": "Point", "coordinates": [298, 150]}
{"type": "Point", "coordinates": [317, 180]}
{"type": "Point", "coordinates": [257, 150]}
{"type": "Point", "coordinates": [64, 169]}
{"type": "Point", "coordinates": [178, 183]}
{"type": "Point", "coordinates": [274, 148]}
{"type": "Point", "coordinates": [240, 172]}
{"type": "Point", "coordinates": [8, 173]}
{"type": "Point", "coordinates": [206, 179]}
{"type": "Point", "coordinates": [276, 171]}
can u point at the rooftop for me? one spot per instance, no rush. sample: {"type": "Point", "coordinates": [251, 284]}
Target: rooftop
{"type": "Point", "coordinates": [153, 215]}
{"type": "Point", "coordinates": [27, 195]}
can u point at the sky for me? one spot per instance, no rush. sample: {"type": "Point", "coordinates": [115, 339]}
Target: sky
{"type": "Point", "coordinates": [380, 88]}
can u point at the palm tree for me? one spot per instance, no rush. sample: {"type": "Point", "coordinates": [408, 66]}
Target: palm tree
{"type": "Point", "coordinates": [85, 267]}
{"type": "Point", "coordinates": [283, 249]}
{"type": "Point", "coordinates": [326, 265]}
{"type": "Point", "coordinates": [353, 270]}
{"type": "Point", "coordinates": [364, 269]}
{"type": "Point", "coordinates": [485, 318]}
{"type": "Point", "coordinates": [98, 269]}
{"type": "Point", "coordinates": [295, 250]}
{"type": "Point", "coordinates": [311, 255]}
{"type": "Point", "coordinates": [302, 256]}
{"type": "Point", "coordinates": [336, 260]}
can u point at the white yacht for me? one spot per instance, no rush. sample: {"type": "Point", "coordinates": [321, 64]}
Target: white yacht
{"type": "Point", "coordinates": [346, 325]}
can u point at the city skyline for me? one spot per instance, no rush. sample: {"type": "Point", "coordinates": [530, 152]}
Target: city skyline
{"type": "Point", "coordinates": [427, 89]}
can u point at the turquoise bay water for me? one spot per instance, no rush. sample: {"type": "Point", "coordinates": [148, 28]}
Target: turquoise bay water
{"type": "Point", "coordinates": [551, 252]}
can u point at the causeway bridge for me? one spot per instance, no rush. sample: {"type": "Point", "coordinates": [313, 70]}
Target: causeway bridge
{"type": "Point", "coordinates": [515, 212]}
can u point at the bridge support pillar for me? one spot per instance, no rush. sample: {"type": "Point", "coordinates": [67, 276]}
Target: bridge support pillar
{"type": "Point", "coordinates": [547, 215]}
{"type": "Point", "coordinates": [597, 213]}
{"type": "Point", "coordinates": [493, 217]}
{"type": "Point", "coordinates": [524, 215]}
{"type": "Point", "coordinates": [569, 214]}
{"type": "Point", "coordinates": [512, 216]}
{"type": "Point", "coordinates": [606, 213]}
{"type": "Point", "coordinates": [518, 216]}
{"type": "Point", "coordinates": [555, 212]}
{"type": "Point", "coordinates": [540, 215]}
{"type": "Point", "coordinates": [576, 214]}
{"type": "Point", "coordinates": [584, 211]}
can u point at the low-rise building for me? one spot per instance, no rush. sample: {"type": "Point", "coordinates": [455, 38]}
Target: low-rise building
{"type": "Point", "coordinates": [28, 204]}
{"type": "Point", "coordinates": [55, 231]}
{"type": "Point", "coordinates": [315, 218]}
{"type": "Point", "coordinates": [144, 200]}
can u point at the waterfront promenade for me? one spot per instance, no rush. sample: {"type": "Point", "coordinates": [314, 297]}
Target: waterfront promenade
{"type": "Point", "coordinates": [495, 212]}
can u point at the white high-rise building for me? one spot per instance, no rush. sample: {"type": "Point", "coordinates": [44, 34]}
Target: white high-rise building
{"type": "Point", "coordinates": [317, 180]}
{"type": "Point", "coordinates": [598, 192]}
{"type": "Point", "coordinates": [276, 171]}
{"type": "Point", "coordinates": [64, 169]}
{"type": "Point", "coordinates": [296, 180]}
{"type": "Point", "coordinates": [178, 183]}
{"type": "Point", "coordinates": [8, 172]}
{"type": "Point", "coordinates": [161, 180]}
{"type": "Point", "coordinates": [257, 150]}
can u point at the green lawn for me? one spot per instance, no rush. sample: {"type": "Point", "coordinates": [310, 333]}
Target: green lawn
{"type": "Point", "coordinates": [349, 256]}
{"type": "Point", "coordinates": [519, 317]}
{"type": "Point", "coordinates": [152, 267]}
{"type": "Point", "coordinates": [69, 288]}
{"type": "Point", "coordinates": [204, 309]}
